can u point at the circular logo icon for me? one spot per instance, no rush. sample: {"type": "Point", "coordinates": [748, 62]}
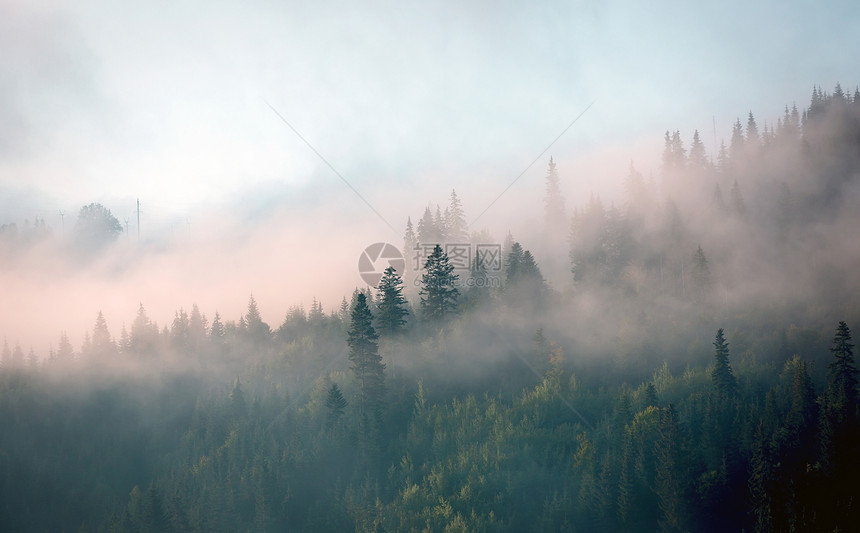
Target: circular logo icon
{"type": "Point", "coordinates": [376, 258]}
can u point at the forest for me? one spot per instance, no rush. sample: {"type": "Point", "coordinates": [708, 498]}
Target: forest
{"type": "Point", "coordinates": [694, 372]}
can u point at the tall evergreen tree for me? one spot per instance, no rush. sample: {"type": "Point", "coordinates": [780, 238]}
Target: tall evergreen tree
{"type": "Point", "coordinates": [144, 334]}
{"type": "Point", "coordinates": [368, 370]}
{"type": "Point", "coordinates": [427, 231]}
{"type": "Point", "coordinates": [65, 352]}
{"type": "Point", "coordinates": [555, 215]}
{"type": "Point", "coordinates": [336, 404]}
{"type": "Point", "coordinates": [736, 147]}
{"type": "Point", "coordinates": [438, 291]}
{"type": "Point", "coordinates": [842, 373]}
{"type": "Point", "coordinates": [409, 242]}
{"type": "Point", "coordinates": [722, 375]}
{"type": "Point", "coordinates": [258, 331]}
{"type": "Point", "coordinates": [102, 347]}
{"type": "Point", "coordinates": [698, 160]}
{"type": "Point", "coordinates": [455, 221]}
{"type": "Point", "coordinates": [700, 276]}
{"type": "Point", "coordinates": [216, 332]}
{"type": "Point", "coordinates": [390, 303]}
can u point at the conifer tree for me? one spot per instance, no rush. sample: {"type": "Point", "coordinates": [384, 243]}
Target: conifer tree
{"type": "Point", "coordinates": [455, 221]}
{"type": "Point", "coordinates": [102, 347]}
{"type": "Point", "coordinates": [555, 215]}
{"type": "Point", "coordinates": [721, 375]}
{"type": "Point", "coordinates": [701, 276]}
{"type": "Point", "coordinates": [368, 370]}
{"type": "Point", "coordinates": [391, 304]}
{"type": "Point", "coordinates": [736, 147]}
{"type": "Point", "coordinates": [842, 374]}
{"type": "Point", "coordinates": [65, 352]}
{"type": "Point", "coordinates": [336, 404]}
{"type": "Point", "coordinates": [438, 292]}
{"type": "Point", "coordinates": [257, 330]}
{"type": "Point", "coordinates": [144, 334]}
{"type": "Point", "coordinates": [840, 435]}
{"type": "Point", "coordinates": [216, 332]}
{"type": "Point", "coordinates": [698, 160]}
{"type": "Point", "coordinates": [409, 242]}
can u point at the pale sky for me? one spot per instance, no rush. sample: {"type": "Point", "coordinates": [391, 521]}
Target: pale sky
{"type": "Point", "coordinates": [166, 101]}
{"type": "Point", "coordinates": [169, 102]}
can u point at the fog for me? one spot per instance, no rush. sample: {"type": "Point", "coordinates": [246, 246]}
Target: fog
{"type": "Point", "coordinates": [187, 196]}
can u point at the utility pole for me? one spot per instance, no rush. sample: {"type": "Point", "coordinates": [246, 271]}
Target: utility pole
{"type": "Point", "coordinates": [126, 228]}
{"type": "Point", "coordinates": [138, 220]}
{"type": "Point", "coordinates": [63, 221]}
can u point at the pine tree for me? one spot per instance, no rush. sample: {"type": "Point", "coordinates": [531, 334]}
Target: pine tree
{"type": "Point", "coordinates": [144, 334]}
{"type": "Point", "coordinates": [761, 480]}
{"type": "Point", "coordinates": [65, 352]}
{"type": "Point", "coordinates": [124, 345]}
{"type": "Point", "coordinates": [216, 332]}
{"type": "Point", "coordinates": [369, 372]}
{"type": "Point", "coordinates": [752, 140]}
{"type": "Point", "coordinates": [455, 221]}
{"type": "Point", "coordinates": [721, 375]}
{"type": "Point", "coordinates": [238, 406]}
{"type": "Point", "coordinates": [32, 360]}
{"type": "Point", "coordinates": [840, 435]}
{"type": "Point", "coordinates": [513, 263]}
{"type": "Point", "coordinates": [670, 483]}
{"type": "Point", "coordinates": [842, 374]}
{"type": "Point", "coordinates": [409, 242]}
{"type": "Point", "coordinates": [723, 160]}
{"type": "Point", "coordinates": [391, 304]}
{"type": "Point", "coordinates": [258, 331]}
{"type": "Point", "coordinates": [438, 291]}
{"type": "Point", "coordinates": [555, 215]}
{"type": "Point", "coordinates": [427, 233]}
{"type": "Point", "coordinates": [197, 326]}
{"type": "Point", "coordinates": [336, 404]}
{"type": "Point", "coordinates": [179, 331]}
{"type": "Point", "coordinates": [701, 276]}
{"type": "Point", "coordinates": [698, 160]}
{"type": "Point", "coordinates": [736, 147]}
{"type": "Point", "coordinates": [103, 347]}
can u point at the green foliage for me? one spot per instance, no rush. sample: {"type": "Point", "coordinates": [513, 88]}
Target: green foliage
{"type": "Point", "coordinates": [722, 375]}
{"type": "Point", "coordinates": [438, 291]}
{"type": "Point", "coordinates": [391, 304]}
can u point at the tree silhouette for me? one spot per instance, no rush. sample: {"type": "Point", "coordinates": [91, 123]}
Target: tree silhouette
{"type": "Point", "coordinates": [438, 293]}
{"type": "Point", "coordinates": [721, 375]}
{"type": "Point", "coordinates": [369, 372]}
{"type": "Point", "coordinates": [96, 227]}
{"type": "Point", "coordinates": [390, 303]}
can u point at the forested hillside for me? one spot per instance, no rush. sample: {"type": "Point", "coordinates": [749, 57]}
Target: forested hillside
{"type": "Point", "coordinates": [691, 369]}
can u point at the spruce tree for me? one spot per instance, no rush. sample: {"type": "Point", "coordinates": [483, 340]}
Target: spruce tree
{"type": "Point", "coordinates": [391, 304]}
{"type": "Point", "coordinates": [455, 221]}
{"type": "Point", "coordinates": [701, 276]}
{"type": "Point", "coordinates": [336, 404]}
{"type": "Point", "coordinates": [409, 242]}
{"type": "Point", "coordinates": [698, 160]}
{"type": "Point", "coordinates": [556, 218]}
{"type": "Point", "coordinates": [842, 373]}
{"type": "Point", "coordinates": [438, 293]}
{"type": "Point", "coordinates": [368, 369]}
{"type": "Point", "coordinates": [721, 375]}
